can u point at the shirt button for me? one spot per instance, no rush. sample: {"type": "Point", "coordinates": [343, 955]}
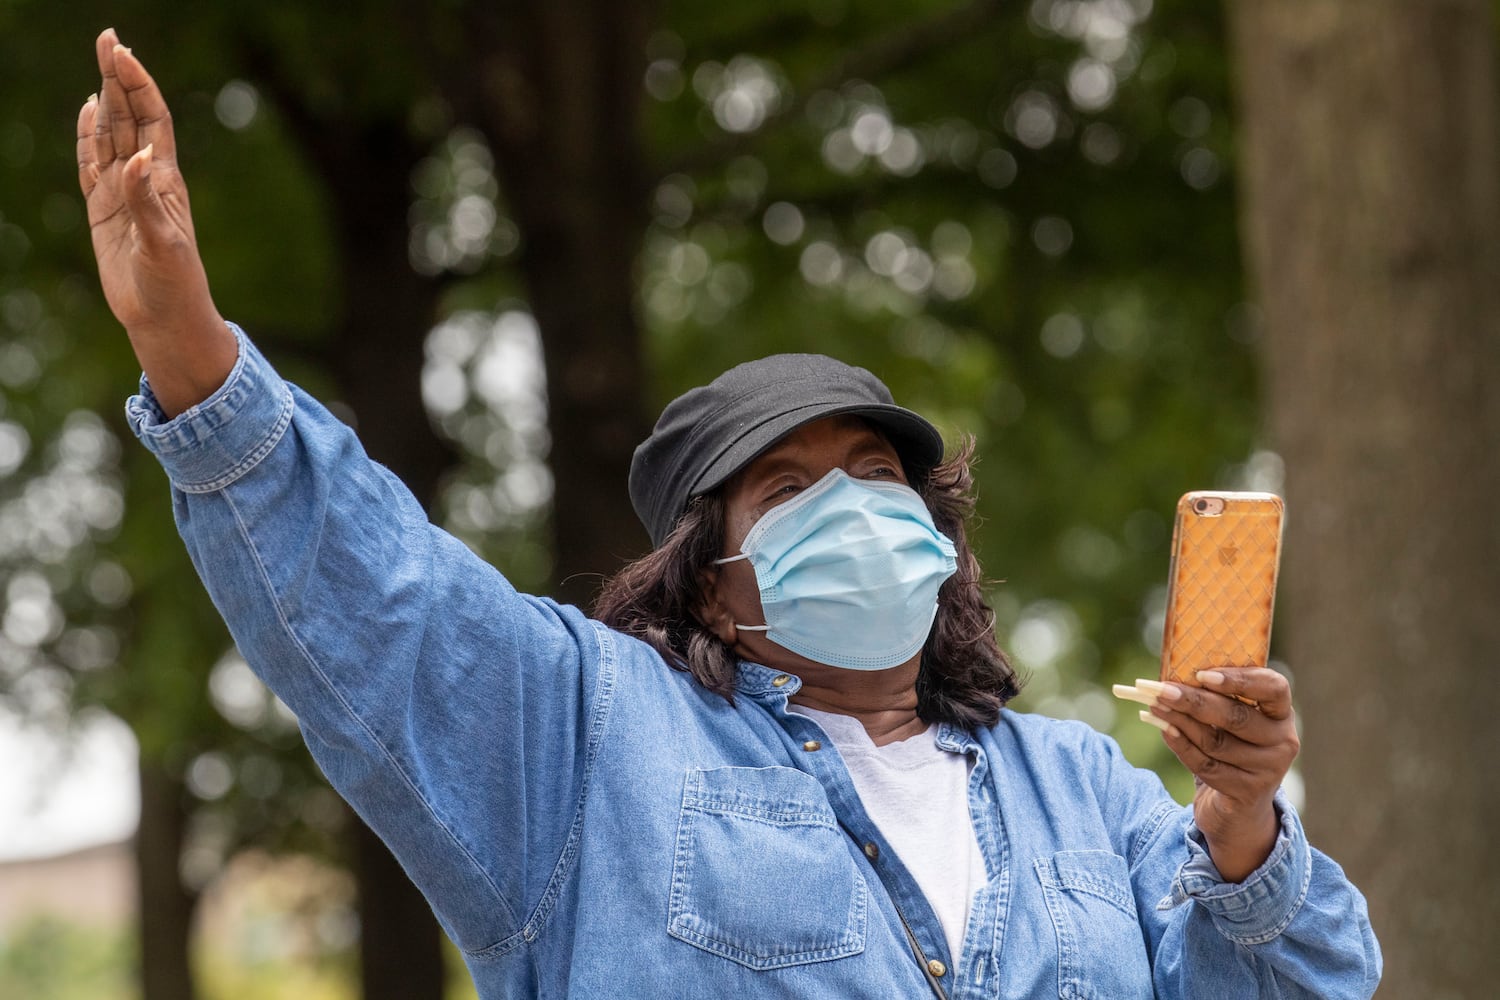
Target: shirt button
{"type": "Point", "coordinates": [812, 745]}
{"type": "Point", "coordinates": [872, 850]}
{"type": "Point", "coordinates": [938, 969]}
{"type": "Point", "coordinates": [780, 679]}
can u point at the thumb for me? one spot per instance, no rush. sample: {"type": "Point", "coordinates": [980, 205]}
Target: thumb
{"type": "Point", "coordinates": [145, 206]}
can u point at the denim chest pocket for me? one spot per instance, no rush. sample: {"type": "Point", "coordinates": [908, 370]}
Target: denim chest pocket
{"type": "Point", "coordinates": [761, 874]}
{"type": "Point", "coordinates": [1101, 950]}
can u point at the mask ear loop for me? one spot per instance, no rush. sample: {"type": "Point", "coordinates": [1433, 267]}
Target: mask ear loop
{"type": "Point", "coordinates": [742, 628]}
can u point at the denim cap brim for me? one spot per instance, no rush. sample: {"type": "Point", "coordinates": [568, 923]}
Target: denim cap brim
{"type": "Point", "coordinates": [708, 434]}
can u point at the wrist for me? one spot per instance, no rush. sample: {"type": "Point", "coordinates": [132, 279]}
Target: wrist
{"type": "Point", "coordinates": [1241, 846]}
{"type": "Point", "coordinates": [185, 363]}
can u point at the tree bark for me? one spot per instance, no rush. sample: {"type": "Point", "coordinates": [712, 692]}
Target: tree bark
{"type": "Point", "coordinates": [556, 88]}
{"type": "Point", "coordinates": [1372, 214]}
{"type": "Point", "coordinates": [166, 906]}
{"type": "Point", "coordinates": [400, 945]}
{"type": "Point", "coordinates": [560, 102]}
{"type": "Point", "coordinates": [386, 310]}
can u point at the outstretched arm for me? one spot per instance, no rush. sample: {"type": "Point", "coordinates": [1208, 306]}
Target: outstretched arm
{"type": "Point", "coordinates": [143, 237]}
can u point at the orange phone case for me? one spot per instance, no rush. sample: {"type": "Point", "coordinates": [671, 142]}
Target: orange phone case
{"type": "Point", "coordinates": [1223, 583]}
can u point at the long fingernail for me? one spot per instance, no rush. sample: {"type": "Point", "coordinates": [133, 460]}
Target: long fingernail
{"type": "Point", "coordinates": [120, 48]}
{"type": "Point", "coordinates": [1161, 724]}
{"type": "Point", "coordinates": [93, 99]}
{"type": "Point", "coordinates": [1134, 694]}
{"type": "Point", "coordinates": [1167, 692]}
{"type": "Point", "coordinates": [1211, 677]}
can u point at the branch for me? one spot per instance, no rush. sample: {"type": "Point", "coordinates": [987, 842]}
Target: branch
{"type": "Point", "coordinates": [888, 53]}
{"type": "Point", "coordinates": [838, 199]}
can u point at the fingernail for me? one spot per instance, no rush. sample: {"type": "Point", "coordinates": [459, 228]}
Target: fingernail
{"type": "Point", "coordinates": [93, 99]}
{"type": "Point", "coordinates": [1167, 692]}
{"type": "Point", "coordinates": [1211, 677]}
{"type": "Point", "coordinates": [1161, 724]}
{"type": "Point", "coordinates": [1134, 694]}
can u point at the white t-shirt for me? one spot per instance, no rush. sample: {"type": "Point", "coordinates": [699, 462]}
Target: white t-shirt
{"type": "Point", "coordinates": [917, 794]}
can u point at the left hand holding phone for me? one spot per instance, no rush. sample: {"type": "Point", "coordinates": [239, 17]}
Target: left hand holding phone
{"type": "Point", "coordinates": [1237, 733]}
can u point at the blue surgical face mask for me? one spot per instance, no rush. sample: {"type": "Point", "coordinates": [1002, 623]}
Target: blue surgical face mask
{"type": "Point", "coordinates": [849, 572]}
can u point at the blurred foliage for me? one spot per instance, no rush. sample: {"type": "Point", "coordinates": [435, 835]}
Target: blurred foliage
{"type": "Point", "coordinates": [46, 959]}
{"type": "Point", "coordinates": [1021, 216]}
{"type": "Point", "coordinates": [50, 959]}
{"type": "Point", "coordinates": [1029, 233]}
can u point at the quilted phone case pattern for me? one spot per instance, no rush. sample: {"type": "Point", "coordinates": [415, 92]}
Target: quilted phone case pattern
{"type": "Point", "coordinates": [1223, 583]}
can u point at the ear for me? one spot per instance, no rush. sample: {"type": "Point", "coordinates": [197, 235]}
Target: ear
{"type": "Point", "coordinates": [710, 610]}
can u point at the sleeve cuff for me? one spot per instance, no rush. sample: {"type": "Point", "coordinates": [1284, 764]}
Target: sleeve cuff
{"type": "Point", "coordinates": [1259, 908]}
{"type": "Point", "coordinates": [210, 445]}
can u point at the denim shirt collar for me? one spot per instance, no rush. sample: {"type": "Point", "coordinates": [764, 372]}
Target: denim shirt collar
{"type": "Point", "coordinates": [772, 688]}
{"type": "Point", "coordinates": [764, 685]}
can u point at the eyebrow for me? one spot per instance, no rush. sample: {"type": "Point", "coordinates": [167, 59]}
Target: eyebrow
{"type": "Point", "coordinates": [774, 461]}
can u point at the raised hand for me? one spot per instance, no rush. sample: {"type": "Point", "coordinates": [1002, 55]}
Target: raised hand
{"type": "Point", "coordinates": [142, 231]}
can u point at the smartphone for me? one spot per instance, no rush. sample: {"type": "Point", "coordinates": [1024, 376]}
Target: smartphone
{"type": "Point", "coordinates": [1226, 549]}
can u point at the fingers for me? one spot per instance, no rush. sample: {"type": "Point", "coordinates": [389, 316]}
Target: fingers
{"type": "Point", "coordinates": [150, 118]}
{"type": "Point", "coordinates": [88, 168]}
{"type": "Point", "coordinates": [1269, 690]}
{"type": "Point", "coordinates": [1212, 710]}
{"type": "Point", "coordinates": [111, 98]}
{"type": "Point", "coordinates": [1242, 750]}
{"type": "Point", "coordinates": [1234, 698]}
{"type": "Point", "coordinates": [146, 209]}
{"type": "Point", "coordinates": [1237, 769]}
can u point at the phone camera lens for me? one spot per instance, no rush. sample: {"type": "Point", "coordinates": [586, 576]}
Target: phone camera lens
{"type": "Point", "coordinates": [1200, 505]}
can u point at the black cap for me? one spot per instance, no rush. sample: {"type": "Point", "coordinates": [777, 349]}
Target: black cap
{"type": "Point", "coordinates": [709, 433]}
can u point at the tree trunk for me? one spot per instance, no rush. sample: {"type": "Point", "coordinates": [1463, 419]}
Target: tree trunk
{"type": "Point", "coordinates": [166, 906]}
{"type": "Point", "coordinates": [1372, 209]}
{"type": "Point", "coordinates": [558, 89]}
{"type": "Point", "coordinates": [561, 104]}
{"type": "Point", "coordinates": [387, 310]}
{"type": "Point", "coordinates": [400, 946]}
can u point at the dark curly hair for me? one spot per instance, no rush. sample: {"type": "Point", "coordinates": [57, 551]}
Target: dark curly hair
{"type": "Point", "coordinates": [964, 679]}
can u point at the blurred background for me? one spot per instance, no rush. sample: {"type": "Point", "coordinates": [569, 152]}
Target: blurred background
{"type": "Point", "coordinates": [1133, 247]}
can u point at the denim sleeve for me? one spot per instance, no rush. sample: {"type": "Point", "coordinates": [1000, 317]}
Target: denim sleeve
{"type": "Point", "coordinates": [1296, 927]}
{"type": "Point", "coordinates": [456, 715]}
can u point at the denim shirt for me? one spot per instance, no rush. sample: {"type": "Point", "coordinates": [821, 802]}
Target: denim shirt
{"type": "Point", "coordinates": [587, 822]}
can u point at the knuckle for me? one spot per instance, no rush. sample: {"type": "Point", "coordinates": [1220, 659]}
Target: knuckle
{"type": "Point", "coordinates": [1239, 715]}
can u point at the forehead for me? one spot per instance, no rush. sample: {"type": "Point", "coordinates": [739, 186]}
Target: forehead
{"type": "Point", "coordinates": [834, 438]}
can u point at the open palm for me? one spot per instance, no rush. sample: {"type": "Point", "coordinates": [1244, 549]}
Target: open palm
{"type": "Point", "coordinates": [142, 231]}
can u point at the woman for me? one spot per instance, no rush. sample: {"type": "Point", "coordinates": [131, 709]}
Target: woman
{"type": "Point", "coordinates": [785, 770]}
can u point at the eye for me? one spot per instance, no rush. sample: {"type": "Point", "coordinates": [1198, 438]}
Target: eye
{"type": "Point", "coordinates": [882, 470]}
{"type": "Point", "coordinates": [781, 490]}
